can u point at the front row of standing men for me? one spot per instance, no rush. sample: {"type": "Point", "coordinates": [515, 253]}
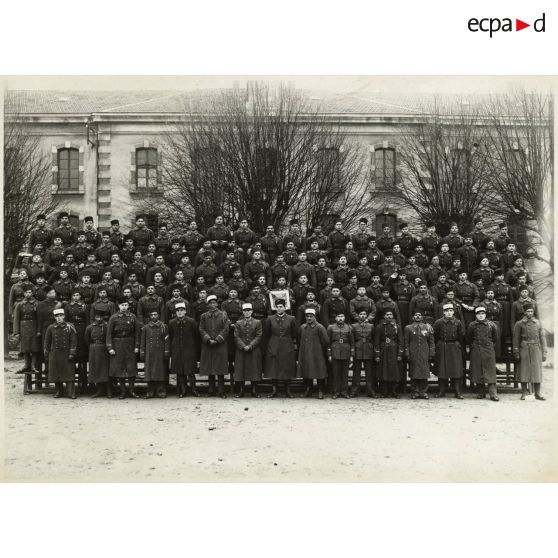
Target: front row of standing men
{"type": "Point", "coordinates": [277, 349]}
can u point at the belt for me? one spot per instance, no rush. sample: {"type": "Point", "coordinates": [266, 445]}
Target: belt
{"type": "Point", "coordinates": [531, 342]}
{"type": "Point", "coordinates": [131, 336]}
{"type": "Point", "coordinates": [99, 343]}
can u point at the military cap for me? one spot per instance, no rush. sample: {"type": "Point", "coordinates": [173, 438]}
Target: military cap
{"type": "Point", "coordinates": [430, 224]}
{"type": "Point", "coordinates": [480, 309]}
{"type": "Point", "coordinates": [477, 221]}
{"type": "Point", "coordinates": [517, 257]}
{"type": "Point", "coordinates": [503, 225]}
{"type": "Point", "coordinates": [293, 222]}
{"type": "Point", "coordinates": [123, 300]}
{"type": "Point", "coordinates": [41, 216]}
{"type": "Point", "coordinates": [211, 297]}
{"type": "Point", "coordinates": [162, 224]}
{"type": "Point", "coordinates": [462, 270]}
{"type": "Point", "coordinates": [310, 311]}
{"type": "Point", "coordinates": [372, 238]}
{"type": "Point", "coordinates": [115, 222]}
{"type": "Point", "coordinates": [246, 306]}
{"type": "Point", "coordinates": [63, 214]}
{"type": "Point", "coordinates": [498, 272]}
{"type": "Point", "coordinates": [363, 220]}
{"type": "Point", "coordinates": [100, 312]}
{"type": "Point", "coordinates": [175, 240]}
{"type": "Point", "coordinates": [280, 301]}
{"type": "Point", "coordinates": [528, 306]}
{"type": "Point", "coordinates": [388, 253]}
{"type": "Point", "coordinates": [351, 273]}
{"type": "Point", "coordinates": [476, 274]}
{"type": "Point", "coordinates": [448, 306]}
{"type": "Point", "coordinates": [58, 311]}
{"type": "Point", "coordinates": [180, 305]}
{"type": "Point", "coordinates": [40, 274]}
{"type": "Point", "coordinates": [403, 225]}
{"type": "Point", "coordinates": [453, 224]}
{"type": "Point", "coordinates": [88, 219]}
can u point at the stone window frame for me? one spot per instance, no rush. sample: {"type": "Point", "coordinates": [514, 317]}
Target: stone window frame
{"type": "Point", "coordinates": [146, 144]}
{"type": "Point", "coordinates": [54, 187]}
{"type": "Point", "coordinates": [382, 146]}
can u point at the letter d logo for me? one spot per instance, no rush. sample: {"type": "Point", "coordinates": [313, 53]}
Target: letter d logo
{"type": "Point", "coordinates": [539, 25]}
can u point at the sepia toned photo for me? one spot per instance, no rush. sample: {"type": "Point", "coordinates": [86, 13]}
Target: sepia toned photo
{"type": "Point", "coordinates": [278, 279]}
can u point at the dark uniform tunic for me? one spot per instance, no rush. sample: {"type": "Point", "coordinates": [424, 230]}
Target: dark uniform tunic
{"type": "Point", "coordinates": [87, 292]}
{"type": "Point", "coordinates": [63, 289]}
{"type": "Point", "coordinates": [388, 345]}
{"type": "Point", "coordinates": [192, 241]}
{"type": "Point", "coordinates": [430, 243]}
{"type": "Point", "coordinates": [248, 364]}
{"type": "Point", "coordinates": [362, 304]}
{"type": "Point", "coordinates": [385, 242]}
{"type": "Point", "coordinates": [154, 350]}
{"type": "Point", "coordinates": [67, 233]}
{"type": "Point", "coordinates": [426, 305]}
{"type": "Point", "coordinates": [25, 325]}
{"type": "Point", "coordinates": [529, 344]}
{"type": "Point", "coordinates": [467, 293]}
{"type": "Point", "coordinates": [55, 256]}
{"type": "Point", "coordinates": [77, 314]}
{"type": "Point", "coordinates": [454, 241]}
{"type": "Point", "coordinates": [271, 245]}
{"type": "Point", "coordinates": [96, 340]}
{"type": "Point", "coordinates": [142, 238]}
{"type": "Point", "coordinates": [220, 237]}
{"type": "Point", "coordinates": [106, 305]}
{"type": "Point", "coordinates": [402, 294]}
{"type": "Point", "coordinates": [482, 337]}
{"type": "Point", "coordinates": [313, 342]}
{"type": "Point", "coordinates": [280, 358]}
{"type": "Point", "coordinates": [59, 344]}
{"type": "Point", "coordinates": [148, 304]}
{"type": "Point", "coordinates": [503, 294]}
{"type": "Point", "coordinates": [449, 335]}
{"type": "Point", "coordinates": [40, 235]}
{"type": "Point", "coordinates": [419, 349]}
{"type": "Point", "coordinates": [322, 240]}
{"type": "Point", "coordinates": [184, 340]}
{"type": "Point", "coordinates": [112, 288]}
{"type": "Point", "coordinates": [233, 308]}
{"type": "Point", "coordinates": [480, 239]}
{"type": "Point", "coordinates": [214, 324]}
{"type": "Point", "coordinates": [123, 335]}
{"type": "Point", "coordinates": [338, 242]}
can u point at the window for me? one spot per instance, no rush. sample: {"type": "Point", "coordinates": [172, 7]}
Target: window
{"type": "Point", "coordinates": [384, 167]}
{"type": "Point", "coordinates": [151, 221]}
{"type": "Point", "coordinates": [68, 169]}
{"type": "Point", "coordinates": [146, 168]}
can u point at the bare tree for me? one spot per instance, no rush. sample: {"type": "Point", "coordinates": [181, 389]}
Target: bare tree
{"type": "Point", "coordinates": [444, 166]}
{"type": "Point", "coordinates": [26, 193]}
{"type": "Point", "coordinates": [522, 148]}
{"type": "Point", "coordinates": [262, 153]}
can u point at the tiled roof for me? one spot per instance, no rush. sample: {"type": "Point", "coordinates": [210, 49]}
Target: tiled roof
{"type": "Point", "coordinates": [132, 102]}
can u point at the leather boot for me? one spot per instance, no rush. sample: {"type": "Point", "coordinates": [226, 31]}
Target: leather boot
{"type": "Point", "coordinates": [122, 386]}
{"type": "Point", "coordinates": [98, 391]}
{"type": "Point", "coordinates": [132, 386]}
{"type": "Point", "coordinates": [192, 381]}
{"type": "Point", "coordinates": [59, 390]}
{"type": "Point", "coordinates": [150, 393]}
{"type": "Point", "coordinates": [481, 388]}
{"type": "Point", "coordinates": [288, 393]}
{"type": "Point", "coordinates": [457, 388]}
{"type": "Point", "coordinates": [321, 389]}
{"type": "Point", "coordinates": [180, 386]}
{"type": "Point", "coordinates": [255, 390]}
{"type": "Point", "coordinates": [161, 390]}
{"type": "Point", "coordinates": [308, 390]}
{"type": "Point", "coordinates": [221, 387]}
{"type": "Point", "coordinates": [442, 388]}
{"type": "Point", "coordinates": [72, 390]}
{"type": "Point", "coordinates": [211, 386]}
{"type": "Point", "coordinates": [538, 392]}
{"type": "Point", "coordinates": [492, 392]}
{"type": "Point", "coordinates": [240, 390]}
{"type": "Point", "coordinates": [273, 393]}
{"type": "Point", "coordinates": [109, 388]}
{"type": "Point", "coordinates": [524, 390]}
{"type": "Point", "coordinates": [370, 391]}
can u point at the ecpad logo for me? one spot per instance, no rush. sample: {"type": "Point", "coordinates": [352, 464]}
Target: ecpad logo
{"type": "Point", "coordinates": [492, 25]}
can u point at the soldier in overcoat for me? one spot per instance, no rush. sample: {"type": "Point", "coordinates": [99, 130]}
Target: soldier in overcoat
{"type": "Point", "coordinates": [313, 342]}
{"type": "Point", "coordinates": [77, 314]}
{"type": "Point", "coordinates": [529, 349]}
{"type": "Point", "coordinates": [481, 338]}
{"type": "Point", "coordinates": [155, 352]}
{"type": "Point", "coordinates": [26, 330]}
{"type": "Point", "coordinates": [184, 341]}
{"type": "Point", "coordinates": [363, 331]}
{"type": "Point", "coordinates": [248, 359]}
{"type": "Point", "coordinates": [388, 348]}
{"type": "Point", "coordinates": [340, 352]}
{"type": "Point", "coordinates": [280, 331]}
{"type": "Point", "coordinates": [60, 344]}
{"type": "Point", "coordinates": [45, 317]}
{"type": "Point", "coordinates": [449, 336]}
{"type": "Point", "coordinates": [123, 337]}
{"type": "Point", "coordinates": [419, 351]}
{"type": "Point", "coordinates": [214, 329]}
{"type": "Point", "coordinates": [95, 339]}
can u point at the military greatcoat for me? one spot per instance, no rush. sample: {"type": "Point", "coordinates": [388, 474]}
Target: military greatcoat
{"type": "Point", "coordinates": [184, 339]}
{"type": "Point", "coordinates": [96, 339]}
{"type": "Point", "coordinates": [313, 342]}
{"type": "Point", "coordinates": [60, 343]}
{"type": "Point", "coordinates": [123, 336]}
{"type": "Point", "coordinates": [388, 345]}
{"type": "Point", "coordinates": [280, 358]}
{"type": "Point", "coordinates": [25, 325]}
{"type": "Point", "coordinates": [154, 350]}
{"type": "Point", "coordinates": [482, 337]}
{"type": "Point", "coordinates": [248, 364]}
{"type": "Point", "coordinates": [214, 324]}
{"type": "Point", "coordinates": [529, 344]}
{"type": "Point", "coordinates": [449, 336]}
{"type": "Point", "coordinates": [419, 349]}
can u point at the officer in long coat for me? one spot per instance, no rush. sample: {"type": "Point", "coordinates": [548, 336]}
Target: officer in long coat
{"type": "Point", "coordinates": [59, 347]}
{"type": "Point", "coordinates": [214, 329]}
{"type": "Point", "coordinates": [419, 351]}
{"type": "Point", "coordinates": [25, 328]}
{"type": "Point", "coordinates": [313, 342]}
{"type": "Point", "coordinates": [45, 317]}
{"type": "Point", "coordinates": [529, 349]}
{"type": "Point", "coordinates": [248, 359]}
{"type": "Point", "coordinates": [449, 336]}
{"type": "Point", "coordinates": [77, 314]}
{"type": "Point", "coordinates": [95, 339]}
{"type": "Point", "coordinates": [388, 348]}
{"type": "Point", "coordinates": [363, 331]}
{"type": "Point", "coordinates": [481, 338]}
{"type": "Point", "coordinates": [123, 337]}
{"type": "Point", "coordinates": [154, 351]}
{"type": "Point", "coordinates": [280, 331]}
{"type": "Point", "coordinates": [340, 352]}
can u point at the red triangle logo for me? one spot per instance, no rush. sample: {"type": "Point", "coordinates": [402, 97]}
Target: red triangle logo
{"type": "Point", "coordinates": [519, 25]}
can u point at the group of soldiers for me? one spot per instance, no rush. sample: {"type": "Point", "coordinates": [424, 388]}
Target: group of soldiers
{"type": "Point", "coordinates": [274, 307]}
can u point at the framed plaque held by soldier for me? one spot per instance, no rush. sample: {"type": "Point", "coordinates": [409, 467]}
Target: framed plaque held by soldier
{"type": "Point", "coordinates": [279, 295]}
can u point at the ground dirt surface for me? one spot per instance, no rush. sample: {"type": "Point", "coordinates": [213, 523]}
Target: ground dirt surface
{"type": "Point", "coordinates": [258, 440]}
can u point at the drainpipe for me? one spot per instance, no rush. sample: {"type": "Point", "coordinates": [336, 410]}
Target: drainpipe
{"type": "Point", "coordinates": [93, 140]}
